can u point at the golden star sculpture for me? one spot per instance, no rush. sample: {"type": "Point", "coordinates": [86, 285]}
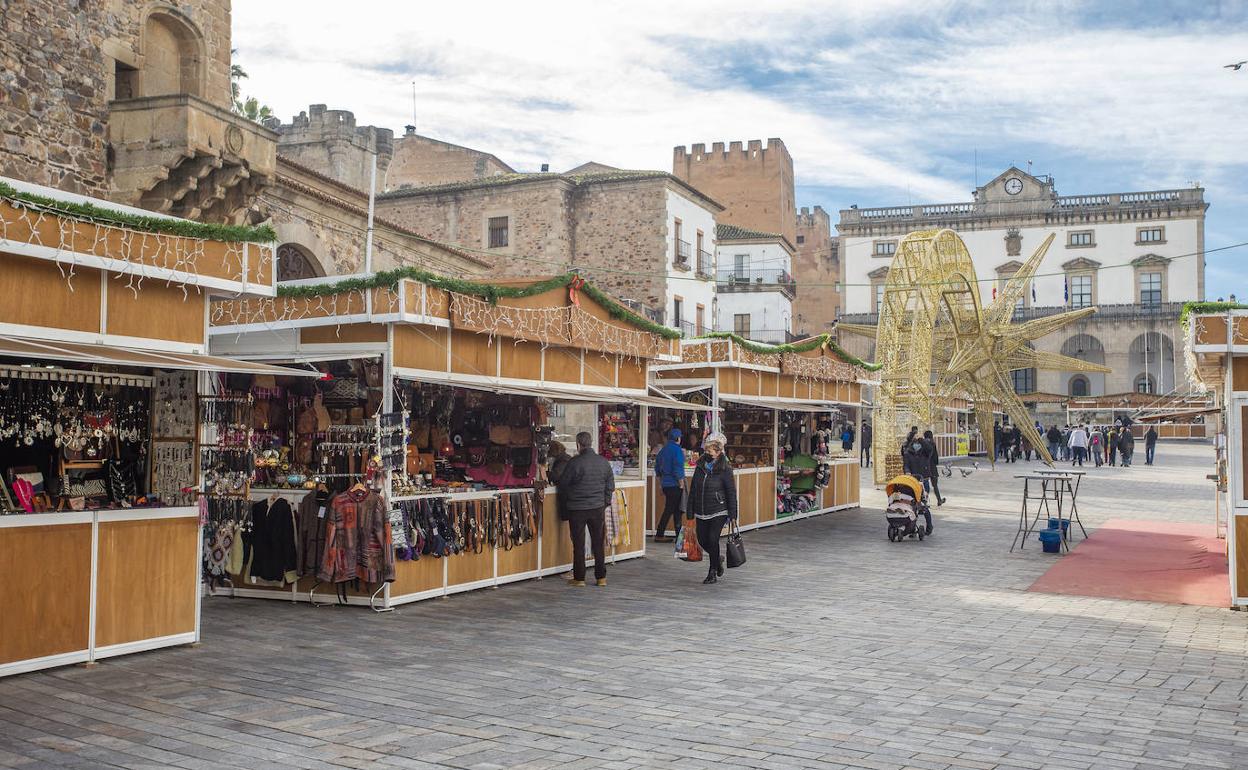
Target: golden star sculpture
{"type": "Point", "coordinates": [936, 341]}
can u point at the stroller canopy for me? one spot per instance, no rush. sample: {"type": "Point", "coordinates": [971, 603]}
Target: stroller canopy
{"type": "Point", "coordinates": [905, 483]}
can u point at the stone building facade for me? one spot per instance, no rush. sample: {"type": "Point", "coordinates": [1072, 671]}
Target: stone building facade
{"type": "Point", "coordinates": [329, 141]}
{"type": "Point", "coordinates": [128, 101]}
{"type": "Point", "coordinates": [817, 265]}
{"type": "Point", "coordinates": [420, 161]}
{"type": "Point", "coordinates": [644, 236]}
{"type": "Point", "coordinates": [1136, 256]}
{"type": "Point", "coordinates": [754, 284]}
{"type": "Point", "coordinates": [753, 182]}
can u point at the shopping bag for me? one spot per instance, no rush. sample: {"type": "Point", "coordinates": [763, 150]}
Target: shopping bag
{"type": "Point", "coordinates": [687, 545]}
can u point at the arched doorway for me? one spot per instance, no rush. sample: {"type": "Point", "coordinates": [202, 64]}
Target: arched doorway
{"type": "Point", "coordinates": [294, 263]}
{"type": "Point", "coordinates": [172, 56]}
{"type": "Point", "coordinates": [1079, 386]}
{"type": "Point", "coordinates": [1085, 347]}
{"type": "Point", "coordinates": [1151, 360]}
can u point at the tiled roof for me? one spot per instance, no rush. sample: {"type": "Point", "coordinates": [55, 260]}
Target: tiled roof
{"type": "Point", "coordinates": [502, 180]}
{"type": "Point", "coordinates": [734, 233]}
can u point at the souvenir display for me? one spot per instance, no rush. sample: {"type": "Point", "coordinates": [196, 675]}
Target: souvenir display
{"type": "Point", "coordinates": [751, 436]}
{"type": "Point", "coordinates": [617, 437]}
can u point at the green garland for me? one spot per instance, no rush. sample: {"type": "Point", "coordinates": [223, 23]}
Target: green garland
{"type": "Point", "coordinates": [805, 346]}
{"type": "Point", "coordinates": [178, 227]}
{"type": "Point", "coordinates": [488, 291]}
{"type": "Point", "coordinates": [1200, 308]}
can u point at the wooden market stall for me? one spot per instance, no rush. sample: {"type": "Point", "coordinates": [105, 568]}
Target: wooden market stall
{"type": "Point", "coordinates": [484, 376]}
{"type": "Point", "coordinates": [746, 389]}
{"type": "Point", "coordinates": [1217, 350]}
{"type": "Point", "coordinates": [103, 336]}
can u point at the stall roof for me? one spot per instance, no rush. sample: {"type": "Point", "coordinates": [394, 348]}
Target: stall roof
{"type": "Point", "coordinates": [81, 352]}
{"type": "Point", "coordinates": [789, 404]}
{"type": "Point", "coordinates": [555, 393]}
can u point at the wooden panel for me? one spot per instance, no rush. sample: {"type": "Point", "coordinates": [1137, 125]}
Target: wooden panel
{"type": "Point", "coordinates": [1241, 330]}
{"type": "Point", "coordinates": [747, 498]}
{"type": "Point", "coordinates": [769, 384]}
{"type": "Point", "coordinates": [750, 382]}
{"type": "Point", "coordinates": [1239, 373]}
{"type": "Point", "coordinates": [637, 511]}
{"type": "Point", "coordinates": [632, 373]}
{"type": "Point", "coordinates": [469, 567]}
{"type": "Point", "coordinates": [437, 303]}
{"type": "Point", "coordinates": [45, 590]}
{"type": "Point", "coordinates": [148, 575]}
{"type": "Point", "coordinates": [654, 502]}
{"type": "Point", "coordinates": [767, 496]}
{"type": "Point", "coordinates": [727, 380]}
{"type": "Point", "coordinates": [412, 577]}
{"type": "Point", "coordinates": [563, 364]}
{"type": "Point", "coordinates": [556, 542]}
{"type": "Point", "coordinates": [521, 360]}
{"type": "Point", "coordinates": [1210, 330]}
{"type": "Point", "coordinates": [158, 312]}
{"type": "Point", "coordinates": [472, 353]}
{"type": "Point", "coordinates": [519, 559]}
{"type": "Point", "coordinates": [855, 486]}
{"type": "Point", "coordinates": [1241, 556]}
{"type": "Point", "coordinates": [599, 369]}
{"type": "Point", "coordinates": [840, 495]}
{"type": "Point", "coordinates": [420, 347]}
{"type": "Point", "coordinates": [35, 293]}
{"type": "Point", "coordinates": [329, 335]}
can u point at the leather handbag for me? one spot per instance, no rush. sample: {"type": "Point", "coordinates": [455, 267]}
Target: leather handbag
{"type": "Point", "coordinates": [734, 550]}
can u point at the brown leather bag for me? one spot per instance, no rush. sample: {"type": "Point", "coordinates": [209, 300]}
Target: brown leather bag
{"type": "Point", "coordinates": [322, 414]}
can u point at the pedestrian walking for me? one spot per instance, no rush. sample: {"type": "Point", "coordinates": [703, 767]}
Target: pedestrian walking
{"type": "Point", "coordinates": [1027, 449]}
{"type": "Point", "coordinates": [669, 466]}
{"type": "Point", "coordinates": [998, 440]}
{"type": "Point", "coordinates": [933, 466]}
{"type": "Point", "coordinates": [1054, 437]}
{"type": "Point", "coordinates": [588, 483]}
{"type": "Point", "coordinates": [1016, 443]}
{"type": "Point", "coordinates": [865, 441]}
{"type": "Point", "coordinates": [713, 501]}
{"type": "Point", "coordinates": [1150, 445]}
{"type": "Point", "coordinates": [1113, 446]}
{"type": "Point", "coordinates": [847, 437]}
{"type": "Point", "coordinates": [1078, 444]}
{"type": "Point", "coordinates": [1096, 447]}
{"type": "Point", "coordinates": [1126, 446]}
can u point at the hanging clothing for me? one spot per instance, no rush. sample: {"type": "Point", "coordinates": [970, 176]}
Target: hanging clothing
{"type": "Point", "coordinates": [273, 541]}
{"type": "Point", "coordinates": [310, 546]}
{"type": "Point", "coordinates": [357, 540]}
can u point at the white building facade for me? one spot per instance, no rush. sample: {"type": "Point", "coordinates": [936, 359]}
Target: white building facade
{"type": "Point", "coordinates": [1136, 256]}
{"type": "Point", "coordinates": [690, 302]}
{"type": "Point", "coordinates": [755, 284]}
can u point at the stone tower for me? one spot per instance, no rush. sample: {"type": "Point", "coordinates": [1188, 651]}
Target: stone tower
{"type": "Point", "coordinates": [817, 267]}
{"type": "Point", "coordinates": [329, 142]}
{"type": "Point", "coordinates": [753, 182]}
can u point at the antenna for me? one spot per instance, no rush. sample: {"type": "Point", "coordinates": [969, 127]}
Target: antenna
{"type": "Point", "coordinates": [977, 167]}
{"type": "Point", "coordinates": [413, 106]}
{"type": "Point", "coordinates": [1028, 167]}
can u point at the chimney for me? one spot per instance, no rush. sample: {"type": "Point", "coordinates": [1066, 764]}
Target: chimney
{"type": "Point", "coordinates": [409, 130]}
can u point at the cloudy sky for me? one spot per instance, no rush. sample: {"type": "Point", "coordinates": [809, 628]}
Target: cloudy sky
{"type": "Point", "coordinates": [880, 103]}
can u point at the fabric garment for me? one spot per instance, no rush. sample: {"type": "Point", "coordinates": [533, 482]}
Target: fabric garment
{"type": "Point", "coordinates": [357, 540]}
{"type": "Point", "coordinates": [713, 490]}
{"type": "Point", "coordinates": [554, 474]}
{"type": "Point", "coordinates": [709, 530]}
{"type": "Point", "coordinates": [587, 483]}
{"type": "Point", "coordinates": [1078, 439]}
{"type": "Point", "coordinates": [1077, 455]}
{"type": "Point", "coordinates": [579, 520]}
{"type": "Point", "coordinates": [311, 526]}
{"type": "Point", "coordinates": [671, 510]}
{"type": "Point", "coordinates": [1150, 453]}
{"type": "Point", "coordinates": [669, 465]}
{"type": "Point", "coordinates": [914, 459]}
{"type": "Point", "coordinates": [865, 454]}
{"type": "Point", "coordinates": [273, 541]}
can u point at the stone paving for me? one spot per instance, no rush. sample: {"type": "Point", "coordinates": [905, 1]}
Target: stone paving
{"type": "Point", "coordinates": [831, 648]}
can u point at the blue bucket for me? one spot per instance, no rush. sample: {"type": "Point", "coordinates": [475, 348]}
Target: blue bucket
{"type": "Point", "coordinates": [1051, 540]}
{"type": "Point", "coordinates": [1055, 522]}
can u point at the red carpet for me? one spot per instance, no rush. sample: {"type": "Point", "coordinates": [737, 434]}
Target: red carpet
{"type": "Point", "coordinates": [1148, 560]}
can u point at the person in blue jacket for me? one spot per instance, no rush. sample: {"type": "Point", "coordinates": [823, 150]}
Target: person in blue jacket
{"type": "Point", "coordinates": [669, 467]}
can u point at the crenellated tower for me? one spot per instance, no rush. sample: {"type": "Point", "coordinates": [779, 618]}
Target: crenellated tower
{"type": "Point", "coordinates": [752, 180]}
{"type": "Point", "coordinates": [329, 142]}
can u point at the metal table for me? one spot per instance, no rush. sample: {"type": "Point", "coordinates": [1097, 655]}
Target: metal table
{"type": "Point", "coordinates": [1054, 487]}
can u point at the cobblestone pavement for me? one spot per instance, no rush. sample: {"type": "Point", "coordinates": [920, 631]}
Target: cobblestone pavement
{"type": "Point", "coordinates": [831, 648]}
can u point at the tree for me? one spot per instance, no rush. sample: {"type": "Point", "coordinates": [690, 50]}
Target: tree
{"type": "Point", "coordinates": [249, 107]}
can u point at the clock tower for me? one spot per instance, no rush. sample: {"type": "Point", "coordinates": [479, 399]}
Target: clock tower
{"type": "Point", "coordinates": [1014, 186]}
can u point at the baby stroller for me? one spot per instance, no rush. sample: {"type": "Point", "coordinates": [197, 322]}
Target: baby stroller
{"type": "Point", "coordinates": [906, 503]}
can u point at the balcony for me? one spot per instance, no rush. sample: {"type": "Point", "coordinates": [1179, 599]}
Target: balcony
{"type": "Point", "coordinates": [178, 154]}
{"type": "Point", "coordinates": [687, 329]}
{"type": "Point", "coordinates": [684, 255]}
{"type": "Point", "coordinates": [706, 264]}
{"type": "Point", "coordinates": [768, 336]}
{"type": "Point", "coordinates": [763, 279]}
{"type": "Point", "coordinates": [644, 310]}
{"type": "Point", "coordinates": [1164, 311]}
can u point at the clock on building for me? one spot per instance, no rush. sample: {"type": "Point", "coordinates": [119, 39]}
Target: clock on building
{"type": "Point", "coordinates": [1013, 186]}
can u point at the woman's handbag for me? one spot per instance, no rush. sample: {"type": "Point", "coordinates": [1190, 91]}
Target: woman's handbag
{"type": "Point", "coordinates": [734, 551]}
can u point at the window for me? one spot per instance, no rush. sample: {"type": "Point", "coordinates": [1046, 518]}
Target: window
{"type": "Point", "coordinates": [1079, 386]}
{"type": "Point", "coordinates": [879, 296]}
{"type": "Point", "coordinates": [885, 248]}
{"type": "Point", "coordinates": [498, 232]}
{"type": "Point", "coordinates": [678, 312]}
{"type": "Point", "coordinates": [801, 239]}
{"type": "Point", "coordinates": [1024, 380]}
{"type": "Point", "coordinates": [1145, 384]}
{"type": "Point", "coordinates": [741, 325]}
{"type": "Point", "coordinates": [678, 233]}
{"type": "Point", "coordinates": [1150, 288]}
{"type": "Point", "coordinates": [1080, 238]}
{"type": "Point", "coordinates": [1080, 291]}
{"type": "Point", "coordinates": [125, 81]}
{"type": "Point", "coordinates": [1150, 235]}
{"type": "Point", "coordinates": [700, 320]}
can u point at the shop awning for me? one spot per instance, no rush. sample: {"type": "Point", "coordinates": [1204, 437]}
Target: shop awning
{"type": "Point", "coordinates": [789, 404]}
{"type": "Point", "coordinates": [88, 353]}
{"type": "Point", "coordinates": [556, 392]}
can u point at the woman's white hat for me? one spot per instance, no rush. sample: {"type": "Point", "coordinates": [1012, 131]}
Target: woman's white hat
{"type": "Point", "coordinates": [716, 438]}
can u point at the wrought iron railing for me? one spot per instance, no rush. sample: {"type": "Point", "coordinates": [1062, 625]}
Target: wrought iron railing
{"type": "Point", "coordinates": [1117, 312]}
{"type": "Point", "coordinates": [684, 253]}
{"type": "Point", "coordinates": [706, 264]}
{"type": "Point", "coordinates": [748, 280]}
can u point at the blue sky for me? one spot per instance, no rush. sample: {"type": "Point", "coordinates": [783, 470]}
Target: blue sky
{"type": "Point", "coordinates": [879, 103]}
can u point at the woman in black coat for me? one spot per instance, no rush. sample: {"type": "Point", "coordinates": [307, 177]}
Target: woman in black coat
{"type": "Point", "coordinates": [712, 501]}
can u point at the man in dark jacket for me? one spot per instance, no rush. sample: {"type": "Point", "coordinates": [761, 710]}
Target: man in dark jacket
{"type": "Point", "coordinates": [1054, 437]}
{"type": "Point", "coordinates": [586, 487]}
{"type": "Point", "coordinates": [933, 468]}
{"type": "Point", "coordinates": [1150, 445]}
{"type": "Point", "coordinates": [1126, 446]}
{"type": "Point", "coordinates": [865, 439]}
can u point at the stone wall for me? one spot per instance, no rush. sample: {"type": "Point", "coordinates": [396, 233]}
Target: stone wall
{"type": "Point", "coordinates": [329, 142]}
{"type": "Point", "coordinates": [816, 268]}
{"type": "Point", "coordinates": [623, 226]}
{"type": "Point", "coordinates": [58, 61]}
{"type": "Point", "coordinates": [420, 161]}
{"type": "Point", "coordinates": [753, 182]}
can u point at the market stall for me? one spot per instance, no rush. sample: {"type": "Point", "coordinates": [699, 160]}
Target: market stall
{"type": "Point", "coordinates": [752, 391]}
{"type": "Point", "coordinates": [474, 382]}
{"type": "Point", "coordinates": [103, 339]}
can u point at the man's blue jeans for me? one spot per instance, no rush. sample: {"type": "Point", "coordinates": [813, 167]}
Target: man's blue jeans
{"type": "Point", "coordinates": [1149, 452]}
